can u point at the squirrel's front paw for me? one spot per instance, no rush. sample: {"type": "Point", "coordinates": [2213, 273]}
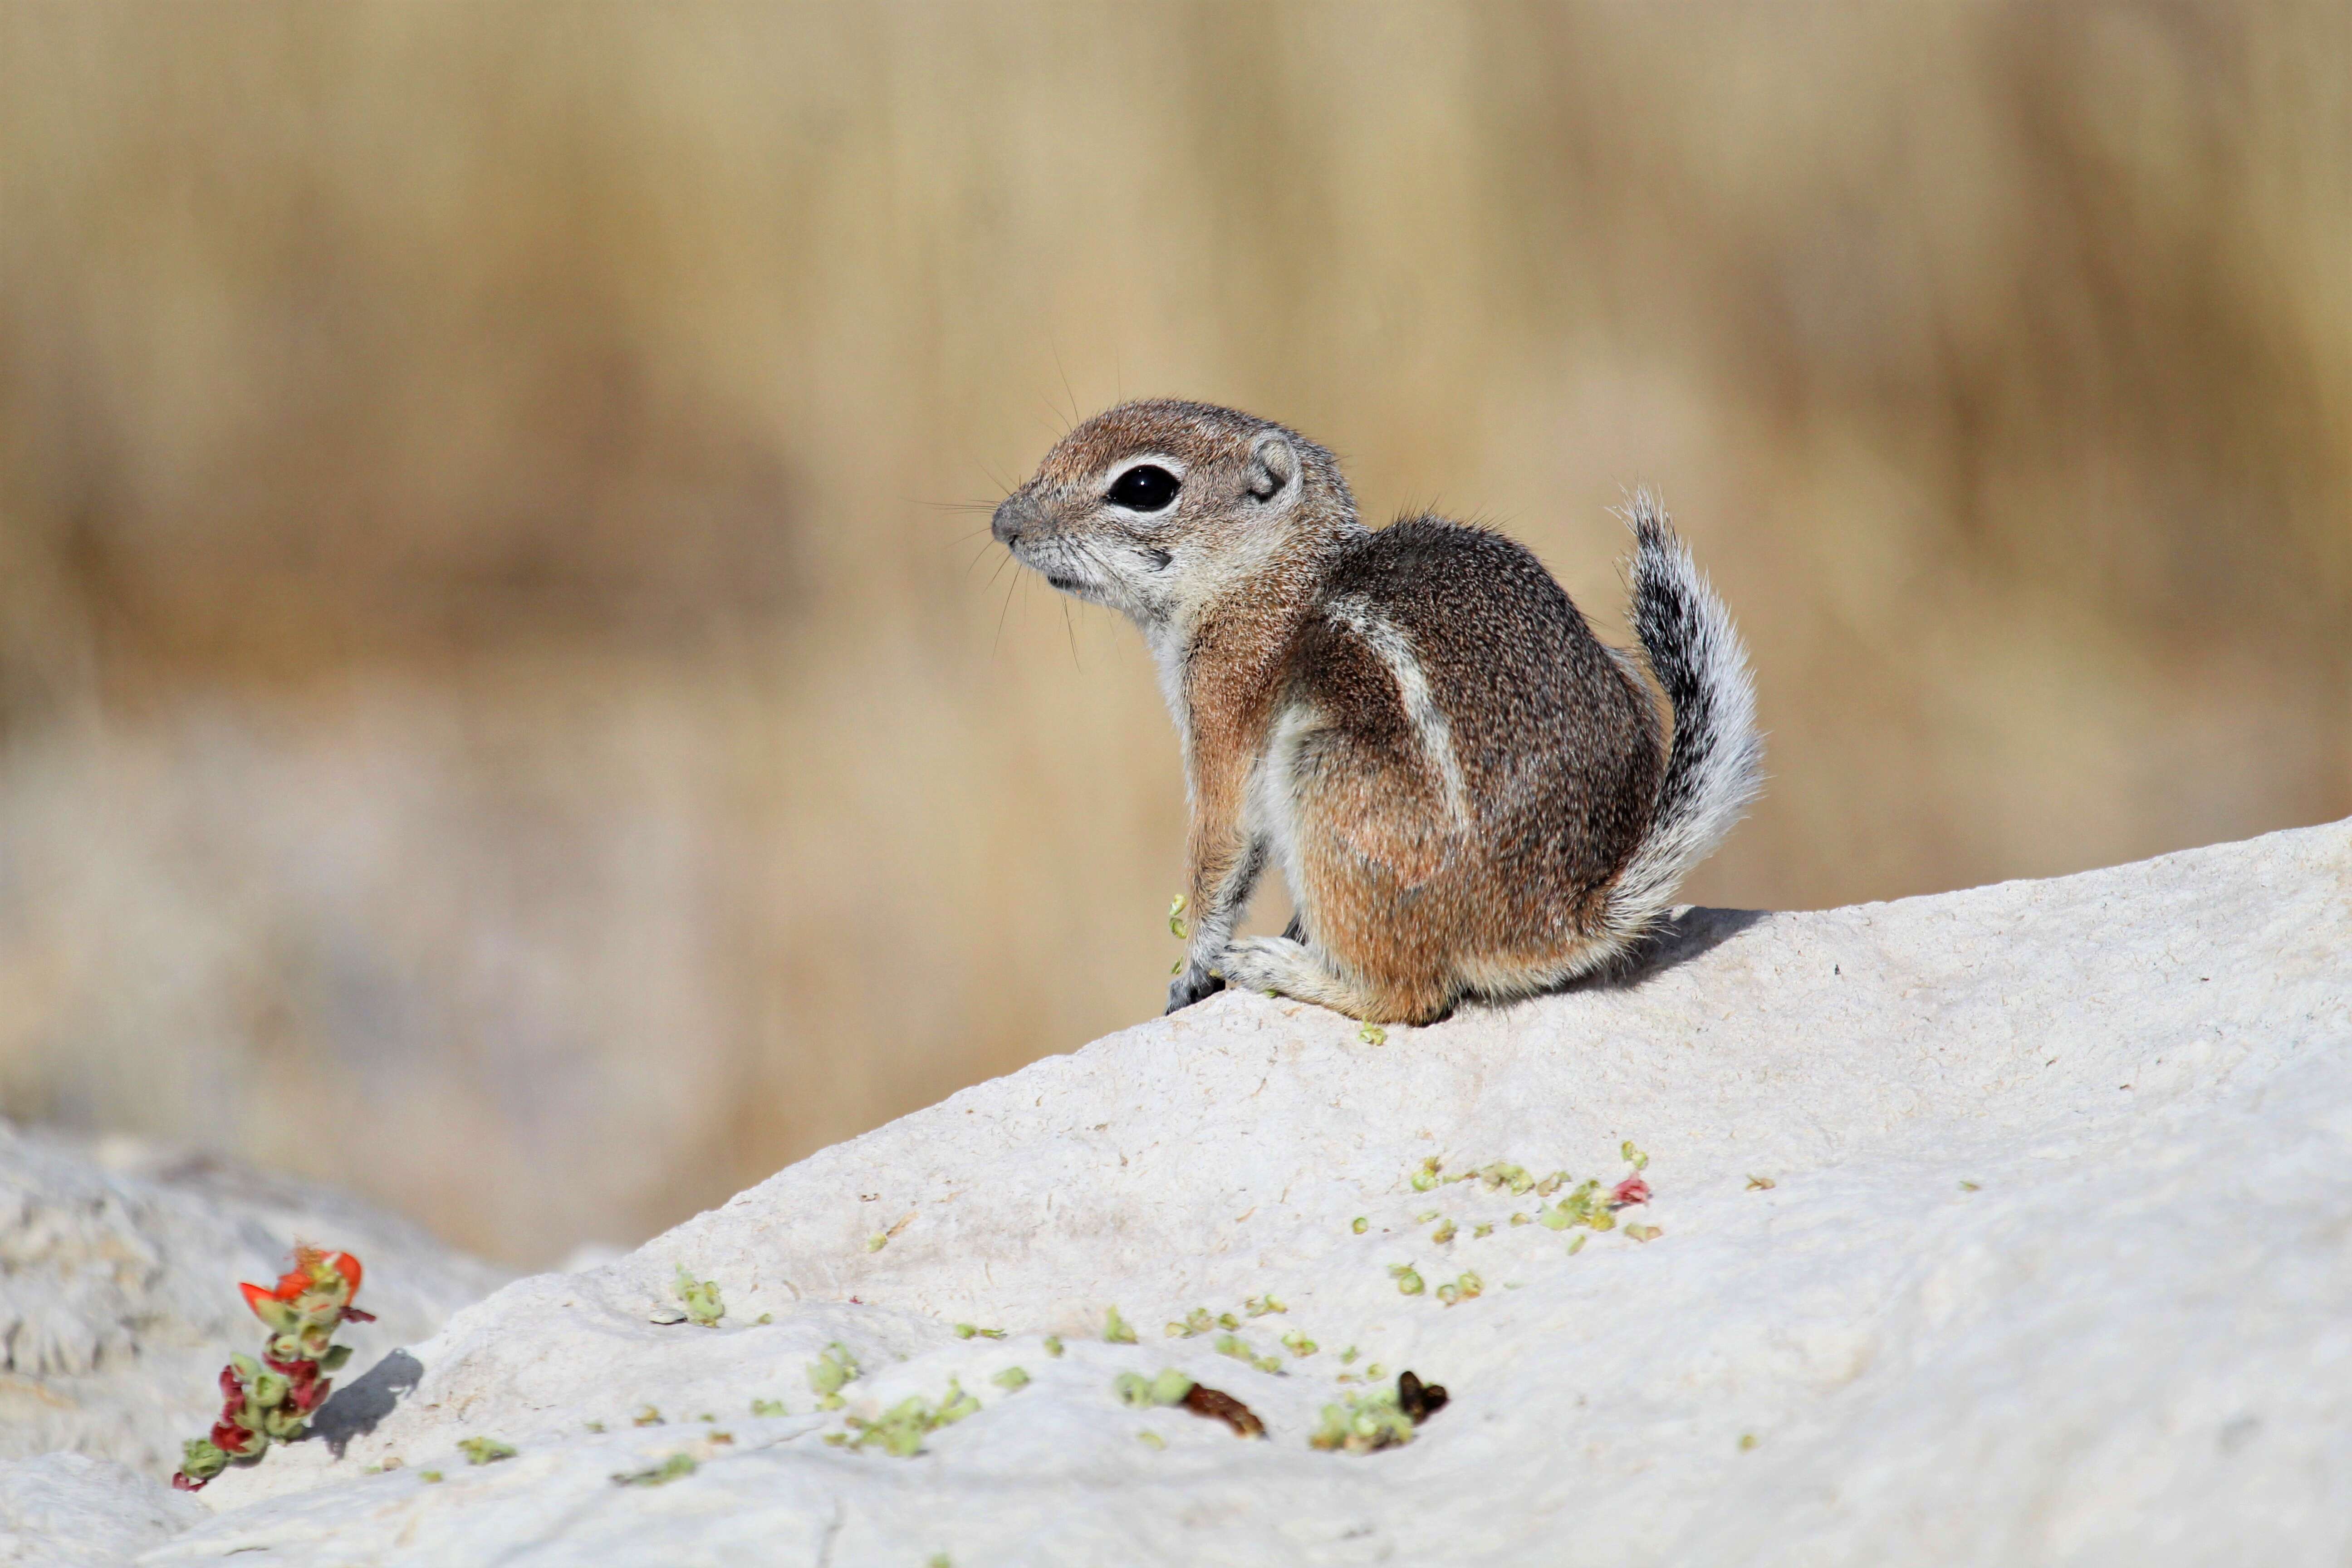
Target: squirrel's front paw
{"type": "Point", "coordinates": [1191, 986]}
{"type": "Point", "coordinates": [1266, 963]}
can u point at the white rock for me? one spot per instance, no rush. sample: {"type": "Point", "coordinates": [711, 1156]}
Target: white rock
{"type": "Point", "coordinates": [69, 1510]}
{"type": "Point", "coordinates": [2055, 1269]}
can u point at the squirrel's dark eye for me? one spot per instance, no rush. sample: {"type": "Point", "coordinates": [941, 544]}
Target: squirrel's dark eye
{"type": "Point", "coordinates": [1144, 487]}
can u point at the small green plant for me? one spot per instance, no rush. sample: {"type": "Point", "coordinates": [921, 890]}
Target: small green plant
{"type": "Point", "coordinates": [826, 1375]}
{"type": "Point", "coordinates": [899, 1430]}
{"type": "Point", "coordinates": [1232, 1346]}
{"type": "Point", "coordinates": [1012, 1379]}
{"type": "Point", "coordinates": [1409, 1281]}
{"type": "Point", "coordinates": [1364, 1423]}
{"type": "Point", "coordinates": [1114, 1329]}
{"type": "Point", "coordinates": [700, 1299]}
{"type": "Point", "coordinates": [1196, 1322]}
{"type": "Point", "coordinates": [1372, 1035]}
{"type": "Point", "coordinates": [767, 1407]}
{"type": "Point", "coordinates": [1359, 1225]}
{"type": "Point", "coordinates": [1139, 1393]}
{"type": "Point", "coordinates": [485, 1450]}
{"type": "Point", "coordinates": [677, 1467]}
{"type": "Point", "coordinates": [1467, 1287]}
{"type": "Point", "coordinates": [1053, 1346]}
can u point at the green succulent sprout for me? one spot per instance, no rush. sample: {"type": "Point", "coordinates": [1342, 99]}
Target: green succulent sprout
{"type": "Point", "coordinates": [1643, 1232]}
{"type": "Point", "coordinates": [1633, 1156]}
{"type": "Point", "coordinates": [1359, 1225]}
{"type": "Point", "coordinates": [429, 1477]}
{"type": "Point", "coordinates": [647, 1415]}
{"type": "Point", "coordinates": [486, 1450]}
{"type": "Point", "coordinates": [826, 1375]}
{"type": "Point", "coordinates": [1176, 918]}
{"type": "Point", "coordinates": [1482, 1230]}
{"type": "Point", "coordinates": [1259, 1306]}
{"type": "Point", "coordinates": [1011, 1380]}
{"type": "Point", "coordinates": [1578, 1245]}
{"type": "Point", "coordinates": [1408, 1281]}
{"type": "Point", "coordinates": [1053, 1346]}
{"type": "Point", "coordinates": [701, 1297]}
{"type": "Point", "coordinates": [1362, 1424]}
{"type": "Point", "coordinates": [1442, 1233]}
{"type": "Point", "coordinates": [1233, 1345]}
{"type": "Point", "coordinates": [1372, 1035]}
{"type": "Point", "coordinates": [767, 1407]}
{"type": "Point", "coordinates": [1298, 1344]}
{"type": "Point", "coordinates": [1114, 1329]}
{"type": "Point", "coordinates": [1151, 1440]}
{"type": "Point", "coordinates": [678, 1466]}
{"type": "Point", "coordinates": [1425, 1176]}
{"type": "Point", "coordinates": [899, 1430]}
{"type": "Point", "coordinates": [1196, 1322]}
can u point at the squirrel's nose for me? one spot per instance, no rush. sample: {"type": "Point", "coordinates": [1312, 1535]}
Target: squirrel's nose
{"type": "Point", "coordinates": [1012, 520]}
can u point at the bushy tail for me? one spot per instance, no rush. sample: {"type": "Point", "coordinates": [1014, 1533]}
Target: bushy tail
{"type": "Point", "coordinates": [1713, 768]}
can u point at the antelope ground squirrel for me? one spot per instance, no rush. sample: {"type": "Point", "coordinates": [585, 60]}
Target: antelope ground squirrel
{"type": "Point", "coordinates": [1467, 791]}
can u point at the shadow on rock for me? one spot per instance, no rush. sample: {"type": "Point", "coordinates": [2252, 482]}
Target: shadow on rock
{"type": "Point", "coordinates": [1677, 940]}
{"type": "Point", "coordinates": [354, 1409]}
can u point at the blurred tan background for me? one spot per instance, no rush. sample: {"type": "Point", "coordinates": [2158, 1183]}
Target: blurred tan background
{"type": "Point", "coordinates": [499, 704]}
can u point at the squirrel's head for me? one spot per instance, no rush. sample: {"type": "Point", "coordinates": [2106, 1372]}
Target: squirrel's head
{"type": "Point", "coordinates": [1157, 508]}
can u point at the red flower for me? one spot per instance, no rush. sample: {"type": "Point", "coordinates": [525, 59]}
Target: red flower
{"type": "Point", "coordinates": [180, 1483]}
{"type": "Point", "coordinates": [1631, 1190]}
{"type": "Point", "coordinates": [231, 1439]}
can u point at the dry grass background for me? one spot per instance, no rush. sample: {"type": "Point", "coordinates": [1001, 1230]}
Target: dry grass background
{"type": "Point", "coordinates": [493, 708]}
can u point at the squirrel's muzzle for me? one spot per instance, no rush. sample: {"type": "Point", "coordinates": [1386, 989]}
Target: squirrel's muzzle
{"type": "Point", "coordinates": [1014, 518]}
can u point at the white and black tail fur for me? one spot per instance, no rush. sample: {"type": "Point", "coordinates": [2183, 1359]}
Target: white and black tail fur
{"type": "Point", "coordinates": [1714, 765]}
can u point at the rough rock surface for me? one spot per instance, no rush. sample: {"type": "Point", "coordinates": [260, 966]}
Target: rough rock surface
{"type": "Point", "coordinates": [2054, 1267]}
{"type": "Point", "coordinates": [118, 1267]}
{"type": "Point", "coordinates": [71, 1510]}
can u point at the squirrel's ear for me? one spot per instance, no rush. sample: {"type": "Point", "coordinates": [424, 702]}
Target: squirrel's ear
{"type": "Point", "coordinates": [1272, 466]}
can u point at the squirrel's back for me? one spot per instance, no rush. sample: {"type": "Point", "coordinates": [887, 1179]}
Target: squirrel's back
{"type": "Point", "coordinates": [1555, 745]}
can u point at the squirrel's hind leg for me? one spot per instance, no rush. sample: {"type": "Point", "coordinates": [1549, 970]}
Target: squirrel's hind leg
{"type": "Point", "coordinates": [1288, 968]}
